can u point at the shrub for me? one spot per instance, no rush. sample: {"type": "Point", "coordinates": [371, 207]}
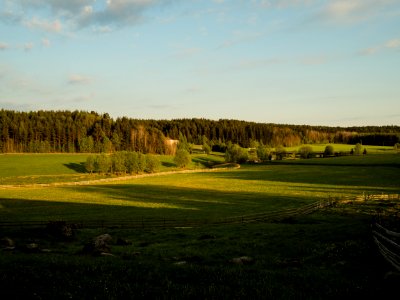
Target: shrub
{"type": "Point", "coordinates": [358, 149]}
{"type": "Point", "coordinates": [90, 164]}
{"type": "Point", "coordinates": [152, 163]}
{"type": "Point", "coordinates": [263, 153]}
{"type": "Point", "coordinates": [305, 151]}
{"type": "Point", "coordinates": [236, 154]}
{"type": "Point", "coordinates": [280, 153]}
{"type": "Point", "coordinates": [182, 158]}
{"type": "Point", "coordinates": [329, 151]}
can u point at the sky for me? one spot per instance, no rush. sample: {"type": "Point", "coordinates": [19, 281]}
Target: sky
{"type": "Point", "coordinates": [314, 62]}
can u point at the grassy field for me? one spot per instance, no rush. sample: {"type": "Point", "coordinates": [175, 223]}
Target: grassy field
{"type": "Point", "coordinates": [20, 169]}
{"type": "Point", "coordinates": [346, 148]}
{"type": "Point", "coordinates": [325, 255]}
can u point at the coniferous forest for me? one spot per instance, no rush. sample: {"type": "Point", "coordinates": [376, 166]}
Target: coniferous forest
{"type": "Point", "coordinates": [87, 132]}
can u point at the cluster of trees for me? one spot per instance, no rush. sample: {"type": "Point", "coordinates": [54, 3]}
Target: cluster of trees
{"type": "Point", "coordinates": [262, 153]}
{"type": "Point", "coordinates": [90, 132]}
{"type": "Point", "coordinates": [122, 162]}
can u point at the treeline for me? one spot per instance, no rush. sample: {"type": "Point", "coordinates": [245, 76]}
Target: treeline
{"type": "Point", "coordinates": [122, 162]}
{"type": "Point", "coordinates": [90, 132]}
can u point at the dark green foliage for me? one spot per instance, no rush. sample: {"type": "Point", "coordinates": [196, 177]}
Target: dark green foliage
{"type": "Point", "coordinates": [79, 131]}
{"type": "Point", "coordinates": [182, 158]}
{"type": "Point", "coordinates": [358, 149]}
{"type": "Point", "coordinates": [263, 153]}
{"type": "Point", "coordinates": [131, 162]}
{"type": "Point", "coordinates": [90, 164]}
{"type": "Point", "coordinates": [153, 164]}
{"type": "Point", "coordinates": [280, 153]}
{"type": "Point", "coordinates": [329, 151]}
{"type": "Point", "coordinates": [305, 151]}
{"type": "Point", "coordinates": [206, 148]}
{"type": "Point", "coordinates": [118, 162]}
{"type": "Point", "coordinates": [236, 154]}
{"type": "Point", "coordinates": [103, 163]}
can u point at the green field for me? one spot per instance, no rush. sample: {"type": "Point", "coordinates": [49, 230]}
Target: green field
{"type": "Point", "coordinates": [325, 255]}
{"type": "Point", "coordinates": [346, 148]}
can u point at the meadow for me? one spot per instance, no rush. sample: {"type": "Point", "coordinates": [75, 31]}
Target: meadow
{"type": "Point", "coordinates": [327, 254]}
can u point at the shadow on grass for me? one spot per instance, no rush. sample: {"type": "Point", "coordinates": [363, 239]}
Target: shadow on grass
{"type": "Point", "coordinates": [79, 168]}
{"type": "Point", "coordinates": [132, 202]}
{"type": "Point", "coordinates": [168, 164]}
{"type": "Point", "coordinates": [356, 177]}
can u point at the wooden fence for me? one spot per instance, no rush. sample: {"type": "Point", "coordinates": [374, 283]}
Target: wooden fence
{"type": "Point", "coordinates": [270, 216]}
{"type": "Point", "coordinates": [388, 243]}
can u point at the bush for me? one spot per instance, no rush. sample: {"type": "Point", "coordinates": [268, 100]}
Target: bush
{"type": "Point", "coordinates": [236, 154]}
{"type": "Point", "coordinates": [182, 158]}
{"type": "Point", "coordinates": [152, 163]}
{"type": "Point", "coordinates": [358, 149]}
{"type": "Point", "coordinates": [305, 151]}
{"type": "Point", "coordinates": [90, 164]}
{"type": "Point", "coordinates": [102, 163]}
{"type": "Point", "coordinates": [329, 151]}
{"type": "Point", "coordinates": [280, 153]}
{"type": "Point", "coordinates": [263, 153]}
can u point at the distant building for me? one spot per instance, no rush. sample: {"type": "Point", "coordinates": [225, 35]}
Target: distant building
{"type": "Point", "coordinates": [171, 146]}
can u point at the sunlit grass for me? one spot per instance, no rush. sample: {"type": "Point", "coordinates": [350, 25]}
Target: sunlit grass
{"type": "Point", "coordinates": [220, 194]}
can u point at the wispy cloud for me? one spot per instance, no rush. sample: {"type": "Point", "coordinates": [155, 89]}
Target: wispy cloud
{"type": "Point", "coordinates": [345, 11]}
{"type": "Point", "coordinates": [4, 46]}
{"type": "Point", "coordinates": [101, 15]}
{"type": "Point", "coordinates": [46, 42]}
{"type": "Point", "coordinates": [392, 44]}
{"type": "Point", "coordinates": [239, 37]}
{"type": "Point", "coordinates": [281, 3]}
{"type": "Point", "coordinates": [79, 79]}
{"type": "Point", "coordinates": [45, 25]}
{"type": "Point", "coordinates": [28, 46]}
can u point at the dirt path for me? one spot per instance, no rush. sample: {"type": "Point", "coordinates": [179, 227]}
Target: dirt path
{"type": "Point", "coordinates": [105, 180]}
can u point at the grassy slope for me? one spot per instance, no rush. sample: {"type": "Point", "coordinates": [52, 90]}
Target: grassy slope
{"type": "Point", "coordinates": [18, 169]}
{"type": "Point", "coordinates": [327, 255]}
{"type": "Point", "coordinates": [251, 189]}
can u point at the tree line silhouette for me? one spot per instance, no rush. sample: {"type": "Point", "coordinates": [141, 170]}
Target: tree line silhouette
{"type": "Point", "coordinates": [91, 132]}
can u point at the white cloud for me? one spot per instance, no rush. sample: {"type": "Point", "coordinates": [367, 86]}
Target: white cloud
{"type": "Point", "coordinates": [4, 46]}
{"type": "Point", "coordinates": [77, 14]}
{"type": "Point", "coordinates": [28, 46]}
{"type": "Point", "coordinates": [79, 79]}
{"type": "Point", "coordinates": [391, 44]}
{"type": "Point", "coordinates": [395, 43]}
{"type": "Point", "coordinates": [45, 25]}
{"type": "Point", "coordinates": [355, 10]}
{"type": "Point", "coordinates": [46, 42]}
{"type": "Point", "coordinates": [281, 3]}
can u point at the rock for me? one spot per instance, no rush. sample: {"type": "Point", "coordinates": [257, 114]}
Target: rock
{"type": "Point", "coordinates": [7, 242]}
{"type": "Point", "coordinates": [98, 245]}
{"type": "Point", "coordinates": [243, 260]}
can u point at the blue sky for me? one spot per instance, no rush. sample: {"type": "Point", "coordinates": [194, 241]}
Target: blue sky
{"type": "Point", "coordinates": [281, 61]}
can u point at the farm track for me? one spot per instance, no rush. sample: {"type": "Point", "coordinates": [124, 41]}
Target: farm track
{"type": "Point", "coordinates": [106, 180]}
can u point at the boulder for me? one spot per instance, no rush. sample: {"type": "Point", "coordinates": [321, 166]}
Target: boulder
{"type": "Point", "coordinates": [99, 245]}
{"type": "Point", "coordinates": [243, 260]}
{"type": "Point", "coordinates": [7, 242]}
